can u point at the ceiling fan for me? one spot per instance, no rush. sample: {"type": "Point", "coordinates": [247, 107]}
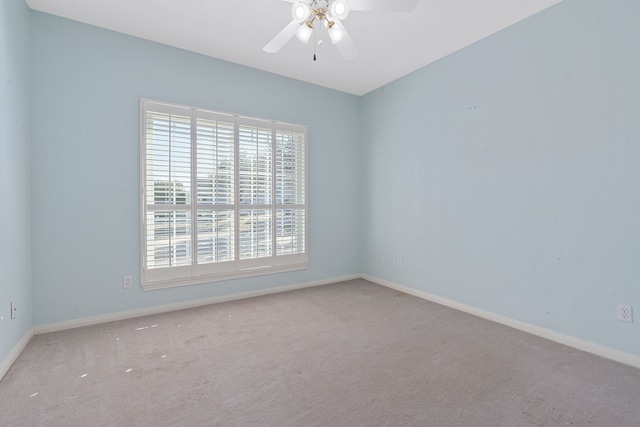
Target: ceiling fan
{"type": "Point", "coordinates": [329, 14]}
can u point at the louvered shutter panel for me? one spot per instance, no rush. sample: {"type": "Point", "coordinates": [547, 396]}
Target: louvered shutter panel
{"type": "Point", "coordinates": [168, 195]}
{"type": "Point", "coordinates": [290, 193]}
{"type": "Point", "coordinates": [216, 188]}
{"type": "Point", "coordinates": [255, 191]}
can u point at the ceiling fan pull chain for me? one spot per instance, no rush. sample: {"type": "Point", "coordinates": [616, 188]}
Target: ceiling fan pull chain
{"type": "Point", "coordinates": [314, 45]}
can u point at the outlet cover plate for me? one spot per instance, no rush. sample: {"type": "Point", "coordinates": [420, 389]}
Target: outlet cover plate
{"type": "Point", "coordinates": [625, 313]}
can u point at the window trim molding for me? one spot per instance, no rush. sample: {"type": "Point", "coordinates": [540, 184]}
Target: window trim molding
{"type": "Point", "coordinates": [152, 279]}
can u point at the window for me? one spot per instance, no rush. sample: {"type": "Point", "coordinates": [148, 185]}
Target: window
{"type": "Point", "coordinates": [223, 196]}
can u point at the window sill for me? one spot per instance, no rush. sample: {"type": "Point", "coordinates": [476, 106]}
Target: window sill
{"type": "Point", "coordinates": [209, 278]}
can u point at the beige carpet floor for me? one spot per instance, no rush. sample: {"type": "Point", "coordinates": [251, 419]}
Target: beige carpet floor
{"type": "Point", "coordinates": [347, 354]}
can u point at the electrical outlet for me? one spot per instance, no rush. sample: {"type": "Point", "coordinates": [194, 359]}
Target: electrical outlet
{"type": "Point", "coordinates": [127, 282]}
{"type": "Point", "coordinates": [377, 258]}
{"type": "Point", "coordinates": [625, 313]}
{"type": "Point", "coordinates": [14, 310]}
{"type": "Point", "coordinates": [399, 262]}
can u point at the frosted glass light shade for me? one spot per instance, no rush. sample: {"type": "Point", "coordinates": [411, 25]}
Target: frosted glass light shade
{"type": "Point", "coordinates": [304, 33]}
{"type": "Point", "coordinates": [335, 34]}
{"type": "Point", "coordinates": [339, 9]}
{"type": "Point", "coordinates": [300, 11]}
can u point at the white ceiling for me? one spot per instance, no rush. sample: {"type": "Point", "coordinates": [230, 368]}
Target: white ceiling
{"type": "Point", "coordinates": [391, 44]}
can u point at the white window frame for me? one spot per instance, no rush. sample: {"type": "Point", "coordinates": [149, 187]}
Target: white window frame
{"type": "Point", "coordinates": [194, 273]}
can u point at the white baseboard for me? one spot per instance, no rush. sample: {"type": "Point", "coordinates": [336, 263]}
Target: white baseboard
{"type": "Point", "coordinates": [87, 321]}
{"type": "Point", "coordinates": [15, 353]}
{"type": "Point", "coordinates": [589, 347]}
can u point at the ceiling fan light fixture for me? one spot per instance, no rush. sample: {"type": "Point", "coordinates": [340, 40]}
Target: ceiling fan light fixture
{"type": "Point", "coordinates": [304, 32]}
{"type": "Point", "coordinates": [339, 9]}
{"type": "Point", "coordinates": [300, 11]}
{"type": "Point", "coordinates": [330, 13]}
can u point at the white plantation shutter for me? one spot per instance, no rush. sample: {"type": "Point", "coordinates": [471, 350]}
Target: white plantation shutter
{"type": "Point", "coordinates": [168, 181]}
{"type": "Point", "coordinates": [223, 196]}
{"type": "Point", "coordinates": [215, 189]}
{"type": "Point", "coordinates": [255, 191]}
{"type": "Point", "coordinates": [290, 193]}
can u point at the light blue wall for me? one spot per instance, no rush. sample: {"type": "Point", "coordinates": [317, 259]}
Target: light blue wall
{"type": "Point", "coordinates": [87, 83]}
{"type": "Point", "coordinates": [15, 173]}
{"type": "Point", "coordinates": [507, 175]}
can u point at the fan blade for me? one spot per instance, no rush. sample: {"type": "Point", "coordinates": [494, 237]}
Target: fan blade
{"type": "Point", "coordinates": [346, 47]}
{"type": "Point", "coordinates": [282, 37]}
{"type": "Point", "coordinates": [384, 5]}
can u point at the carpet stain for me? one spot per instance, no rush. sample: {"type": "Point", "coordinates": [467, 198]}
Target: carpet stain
{"type": "Point", "coordinates": [195, 339]}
